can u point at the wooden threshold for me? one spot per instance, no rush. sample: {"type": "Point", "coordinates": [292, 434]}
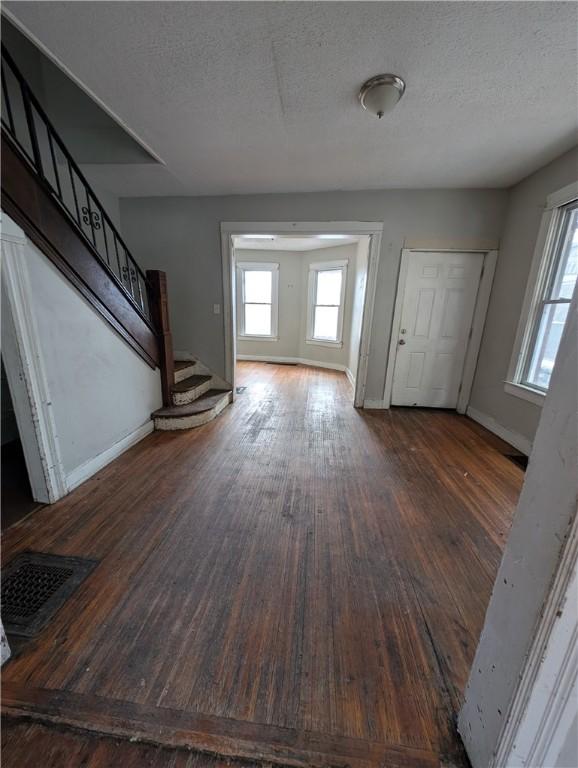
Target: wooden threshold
{"type": "Point", "coordinates": [215, 735]}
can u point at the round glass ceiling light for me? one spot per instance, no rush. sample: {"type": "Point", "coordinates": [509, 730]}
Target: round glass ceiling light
{"type": "Point", "coordinates": [381, 93]}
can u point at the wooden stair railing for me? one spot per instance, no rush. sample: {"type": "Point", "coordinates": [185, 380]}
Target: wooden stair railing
{"type": "Point", "coordinates": [47, 195]}
{"type": "Point", "coordinates": [160, 313]}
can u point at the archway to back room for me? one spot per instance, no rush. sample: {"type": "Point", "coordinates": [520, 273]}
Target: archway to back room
{"type": "Point", "coordinates": [298, 305]}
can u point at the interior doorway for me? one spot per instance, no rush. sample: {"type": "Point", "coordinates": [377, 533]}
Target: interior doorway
{"type": "Point", "coordinates": [16, 493]}
{"type": "Point", "coordinates": [300, 294]}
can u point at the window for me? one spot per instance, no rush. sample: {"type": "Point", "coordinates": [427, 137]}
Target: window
{"type": "Point", "coordinates": [257, 299]}
{"type": "Point", "coordinates": [326, 296]}
{"type": "Point", "coordinates": [547, 306]}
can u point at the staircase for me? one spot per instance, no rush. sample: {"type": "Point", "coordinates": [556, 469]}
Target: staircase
{"type": "Point", "coordinates": [194, 398]}
{"type": "Point", "coordinates": [46, 194]}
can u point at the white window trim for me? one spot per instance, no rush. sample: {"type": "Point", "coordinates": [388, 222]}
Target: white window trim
{"type": "Point", "coordinates": [314, 268]}
{"type": "Point", "coordinates": [534, 289]}
{"type": "Point", "coordinates": [258, 266]}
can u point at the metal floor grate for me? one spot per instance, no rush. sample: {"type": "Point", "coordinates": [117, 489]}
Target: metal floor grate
{"type": "Point", "coordinates": [35, 586]}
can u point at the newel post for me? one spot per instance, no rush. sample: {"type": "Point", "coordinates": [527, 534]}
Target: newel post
{"type": "Point", "coordinates": [159, 304]}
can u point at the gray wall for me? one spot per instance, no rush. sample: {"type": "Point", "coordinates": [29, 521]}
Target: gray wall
{"type": "Point", "coordinates": [182, 236]}
{"type": "Point", "coordinates": [330, 355]}
{"type": "Point", "coordinates": [293, 297]}
{"type": "Point", "coordinates": [524, 213]}
{"type": "Point", "coordinates": [290, 292]}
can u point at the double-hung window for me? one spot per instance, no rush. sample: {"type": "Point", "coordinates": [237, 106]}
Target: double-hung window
{"type": "Point", "coordinates": [326, 299]}
{"type": "Point", "coordinates": [257, 300]}
{"type": "Point", "coordinates": [547, 304]}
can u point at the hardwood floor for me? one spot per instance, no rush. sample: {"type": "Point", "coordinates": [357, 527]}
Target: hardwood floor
{"type": "Point", "coordinates": [31, 745]}
{"type": "Point", "coordinates": [295, 582]}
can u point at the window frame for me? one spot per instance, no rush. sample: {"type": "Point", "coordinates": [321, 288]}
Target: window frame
{"type": "Point", "coordinates": [314, 269]}
{"type": "Point", "coordinates": [547, 254]}
{"type": "Point", "coordinates": [257, 266]}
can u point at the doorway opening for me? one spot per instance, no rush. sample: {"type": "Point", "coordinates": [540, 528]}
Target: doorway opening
{"type": "Point", "coordinates": [300, 294]}
{"type": "Point", "coordinates": [17, 500]}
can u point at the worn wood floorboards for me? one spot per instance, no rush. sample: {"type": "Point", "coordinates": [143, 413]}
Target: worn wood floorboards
{"type": "Point", "coordinates": [296, 581]}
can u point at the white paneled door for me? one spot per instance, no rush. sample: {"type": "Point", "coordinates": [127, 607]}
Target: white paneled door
{"type": "Point", "coordinates": [439, 299]}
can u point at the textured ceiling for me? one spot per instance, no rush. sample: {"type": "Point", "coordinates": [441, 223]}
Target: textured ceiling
{"type": "Point", "coordinates": [261, 97]}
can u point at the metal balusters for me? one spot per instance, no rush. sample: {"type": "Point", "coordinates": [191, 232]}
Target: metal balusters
{"type": "Point", "coordinates": [32, 130]}
{"type": "Point", "coordinates": [105, 240]}
{"type": "Point", "coordinates": [29, 128]}
{"type": "Point", "coordinates": [54, 165]}
{"type": "Point", "coordinates": [6, 102]}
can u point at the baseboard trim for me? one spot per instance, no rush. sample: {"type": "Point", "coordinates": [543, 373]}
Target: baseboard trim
{"type": "Point", "coordinates": [380, 405]}
{"type": "Point", "coordinates": [514, 438]}
{"type": "Point", "coordinates": [297, 360]}
{"type": "Point", "coordinates": [94, 465]}
{"type": "Point", "coordinates": [351, 378]}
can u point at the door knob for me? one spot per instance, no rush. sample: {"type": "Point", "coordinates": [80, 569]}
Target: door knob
{"type": "Point", "coordinates": [401, 342]}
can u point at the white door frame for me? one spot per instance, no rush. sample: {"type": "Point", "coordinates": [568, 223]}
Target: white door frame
{"type": "Point", "coordinates": [479, 318]}
{"type": "Point", "coordinates": [230, 229]}
{"type": "Point", "coordinates": [541, 712]}
{"type": "Point", "coordinates": [526, 661]}
{"type": "Point", "coordinates": [26, 373]}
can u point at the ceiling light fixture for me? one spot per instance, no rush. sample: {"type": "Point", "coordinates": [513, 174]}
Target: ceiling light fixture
{"type": "Point", "coordinates": [332, 237]}
{"type": "Point", "coordinates": [381, 93]}
{"type": "Point", "coordinates": [258, 237]}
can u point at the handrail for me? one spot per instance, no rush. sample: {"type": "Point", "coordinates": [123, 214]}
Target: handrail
{"type": "Point", "coordinates": [40, 145]}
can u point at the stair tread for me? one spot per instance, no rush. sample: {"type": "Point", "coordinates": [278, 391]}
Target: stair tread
{"type": "Point", "coordinates": [180, 364]}
{"type": "Point", "coordinates": [203, 403]}
{"type": "Point", "coordinates": [191, 382]}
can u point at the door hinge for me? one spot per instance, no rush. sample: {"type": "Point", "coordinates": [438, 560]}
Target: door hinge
{"type": "Point", "coordinates": [482, 272]}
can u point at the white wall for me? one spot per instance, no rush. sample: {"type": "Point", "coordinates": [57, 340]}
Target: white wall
{"type": "Point", "coordinates": [101, 391]}
{"type": "Point", "coordinates": [524, 214]}
{"type": "Point", "coordinates": [182, 236]}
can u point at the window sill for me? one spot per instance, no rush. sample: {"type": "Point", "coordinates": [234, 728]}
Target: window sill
{"type": "Point", "coordinates": [524, 392]}
{"type": "Point", "coordinates": [320, 343]}
{"type": "Point", "coordinates": [257, 338]}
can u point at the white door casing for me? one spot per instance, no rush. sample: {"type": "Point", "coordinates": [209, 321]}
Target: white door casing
{"type": "Point", "coordinates": [436, 317]}
{"type": "Point", "coordinates": [25, 370]}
